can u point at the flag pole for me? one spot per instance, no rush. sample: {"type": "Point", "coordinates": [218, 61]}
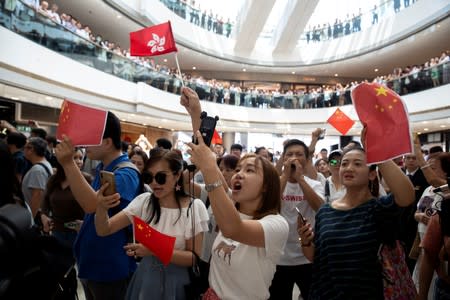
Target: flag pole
{"type": "Point", "coordinates": [179, 70]}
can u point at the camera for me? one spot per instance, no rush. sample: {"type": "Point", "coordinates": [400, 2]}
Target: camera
{"type": "Point", "coordinates": [207, 128]}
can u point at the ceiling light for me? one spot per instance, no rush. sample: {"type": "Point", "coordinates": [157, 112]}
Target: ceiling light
{"type": "Point", "coordinates": [165, 59]}
{"type": "Point", "coordinates": [419, 133]}
{"type": "Point", "coordinates": [293, 72]}
{"type": "Point", "coordinates": [443, 126]}
{"type": "Point", "coordinates": [425, 122]}
{"type": "Point", "coordinates": [425, 129]}
{"type": "Point", "coordinates": [194, 68]}
{"type": "Point", "coordinates": [244, 70]}
{"type": "Point", "coordinates": [172, 129]}
{"type": "Point", "coordinates": [124, 120]}
{"type": "Point", "coordinates": [376, 70]}
{"type": "Point", "coordinates": [336, 75]}
{"type": "Point", "coordinates": [119, 16]}
{"type": "Point", "coordinates": [48, 98]}
{"type": "Point", "coordinates": [15, 98]}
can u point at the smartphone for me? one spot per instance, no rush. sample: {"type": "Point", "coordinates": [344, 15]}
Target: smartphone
{"type": "Point", "coordinates": [303, 220]}
{"type": "Point", "coordinates": [322, 135]}
{"type": "Point", "coordinates": [207, 127]}
{"type": "Point", "coordinates": [105, 177]}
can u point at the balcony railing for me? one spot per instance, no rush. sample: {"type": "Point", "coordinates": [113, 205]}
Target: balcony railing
{"type": "Point", "coordinates": [29, 23]}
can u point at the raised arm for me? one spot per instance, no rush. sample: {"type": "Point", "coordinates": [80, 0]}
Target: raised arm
{"type": "Point", "coordinates": [249, 232]}
{"type": "Point", "coordinates": [428, 172]}
{"type": "Point", "coordinates": [189, 99]}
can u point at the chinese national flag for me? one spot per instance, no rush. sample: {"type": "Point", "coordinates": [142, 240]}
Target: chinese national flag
{"type": "Point", "coordinates": [385, 117]}
{"type": "Point", "coordinates": [152, 41]}
{"type": "Point", "coordinates": [216, 138]}
{"type": "Point", "coordinates": [82, 124]}
{"type": "Point", "coordinates": [340, 121]}
{"type": "Point", "coordinates": [160, 244]}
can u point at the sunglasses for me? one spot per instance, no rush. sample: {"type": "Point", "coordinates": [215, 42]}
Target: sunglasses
{"type": "Point", "coordinates": [159, 177]}
{"type": "Point", "coordinates": [335, 162]}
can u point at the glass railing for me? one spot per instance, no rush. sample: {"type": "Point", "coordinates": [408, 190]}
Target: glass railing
{"type": "Point", "coordinates": [30, 24]}
{"type": "Point", "coordinates": [206, 20]}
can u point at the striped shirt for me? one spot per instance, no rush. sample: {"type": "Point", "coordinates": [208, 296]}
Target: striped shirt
{"type": "Point", "coordinates": [345, 261]}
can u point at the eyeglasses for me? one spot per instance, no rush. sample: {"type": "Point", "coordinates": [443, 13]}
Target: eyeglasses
{"type": "Point", "coordinates": [160, 177]}
{"type": "Point", "coordinates": [335, 162]}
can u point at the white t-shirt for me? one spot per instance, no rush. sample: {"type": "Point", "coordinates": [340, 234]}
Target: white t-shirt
{"type": "Point", "coordinates": [240, 271]}
{"type": "Point", "coordinates": [334, 193]}
{"type": "Point", "coordinates": [181, 229]}
{"type": "Point", "coordinates": [425, 203]}
{"type": "Point", "coordinates": [210, 235]}
{"type": "Point", "coordinates": [293, 197]}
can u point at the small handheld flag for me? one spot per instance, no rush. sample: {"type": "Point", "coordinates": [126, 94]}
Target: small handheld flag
{"type": "Point", "coordinates": [385, 117]}
{"type": "Point", "coordinates": [340, 121]}
{"type": "Point", "coordinates": [82, 124]}
{"type": "Point", "coordinates": [161, 245]}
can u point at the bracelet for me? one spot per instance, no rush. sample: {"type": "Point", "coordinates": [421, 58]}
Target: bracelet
{"type": "Point", "coordinates": [425, 166]}
{"type": "Point", "coordinates": [302, 244]}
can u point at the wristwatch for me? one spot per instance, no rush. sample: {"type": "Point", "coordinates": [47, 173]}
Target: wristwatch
{"type": "Point", "coordinates": [210, 187]}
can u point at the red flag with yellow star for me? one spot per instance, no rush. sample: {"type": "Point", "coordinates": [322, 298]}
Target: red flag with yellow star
{"type": "Point", "coordinates": [82, 124]}
{"type": "Point", "coordinates": [385, 117]}
{"type": "Point", "coordinates": [159, 244]}
{"type": "Point", "coordinates": [340, 121]}
{"type": "Point", "coordinates": [216, 139]}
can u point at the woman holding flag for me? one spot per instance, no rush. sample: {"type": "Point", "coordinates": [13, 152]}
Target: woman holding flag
{"type": "Point", "coordinates": [161, 273]}
{"type": "Point", "coordinates": [252, 233]}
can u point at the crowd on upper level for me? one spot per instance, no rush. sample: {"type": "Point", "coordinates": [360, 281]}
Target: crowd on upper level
{"type": "Point", "coordinates": [404, 80]}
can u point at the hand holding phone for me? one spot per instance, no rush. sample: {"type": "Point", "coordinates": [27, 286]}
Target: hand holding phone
{"type": "Point", "coordinates": [108, 177]}
{"type": "Point", "coordinates": [301, 220]}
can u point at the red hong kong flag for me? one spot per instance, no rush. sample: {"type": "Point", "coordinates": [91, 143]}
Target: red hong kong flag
{"type": "Point", "coordinates": [82, 124]}
{"type": "Point", "coordinates": [159, 244]}
{"type": "Point", "coordinates": [216, 139]}
{"type": "Point", "coordinates": [385, 117]}
{"type": "Point", "coordinates": [152, 41]}
{"type": "Point", "coordinates": [340, 121]}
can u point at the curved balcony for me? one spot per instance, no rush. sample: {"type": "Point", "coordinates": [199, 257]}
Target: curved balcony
{"type": "Point", "coordinates": [71, 67]}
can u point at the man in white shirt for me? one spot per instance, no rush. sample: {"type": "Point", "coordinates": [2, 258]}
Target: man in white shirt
{"type": "Point", "coordinates": [307, 195]}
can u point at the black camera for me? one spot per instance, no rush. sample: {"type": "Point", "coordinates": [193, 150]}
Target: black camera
{"type": "Point", "coordinates": [207, 128]}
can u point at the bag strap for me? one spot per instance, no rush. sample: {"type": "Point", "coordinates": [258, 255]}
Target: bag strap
{"type": "Point", "coordinates": [327, 190]}
{"type": "Point", "coordinates": [45, 168]}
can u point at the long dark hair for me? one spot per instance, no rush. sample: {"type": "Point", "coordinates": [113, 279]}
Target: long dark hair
{"type": "Point", "coordinates": [175, 161]}
{"type": "Point", "coordinates": [57, 178]}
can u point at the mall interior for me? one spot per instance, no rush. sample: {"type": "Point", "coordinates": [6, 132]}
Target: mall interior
{"type": "Point", "coordinates": [270, 70]}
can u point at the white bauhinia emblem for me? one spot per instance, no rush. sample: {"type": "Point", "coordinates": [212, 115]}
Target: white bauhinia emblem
{"type": "Point", "coordinates": [157, 44]}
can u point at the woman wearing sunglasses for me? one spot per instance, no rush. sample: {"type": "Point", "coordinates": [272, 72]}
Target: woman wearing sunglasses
{"type": "Point", "coordinates": [252, 233]}
{"type": "Point", "coordinates": [166, 210]}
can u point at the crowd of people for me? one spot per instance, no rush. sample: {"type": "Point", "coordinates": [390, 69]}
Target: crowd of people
{"type": "Point", "coordinates": [206, 20]}
{"type": "Point", "coordinates": [403, 80]}
{"type": "Point", "coordinates": [257, 224]}
{"type": "Point", "coordinates": [350, 24]}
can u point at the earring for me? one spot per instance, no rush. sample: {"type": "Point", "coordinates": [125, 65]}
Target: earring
{"type": "Point", "coordinates": [177, 187]}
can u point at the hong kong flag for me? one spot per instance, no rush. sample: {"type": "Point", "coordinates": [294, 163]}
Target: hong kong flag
{"type": "Point", "coordinates": [385, 117]}
{"type": "Point", "coordinates": [158, 243]}
{"type": "Point", "coordinates": [82, 124]}
{"type": "Point", "coordinates": [152, 41]}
